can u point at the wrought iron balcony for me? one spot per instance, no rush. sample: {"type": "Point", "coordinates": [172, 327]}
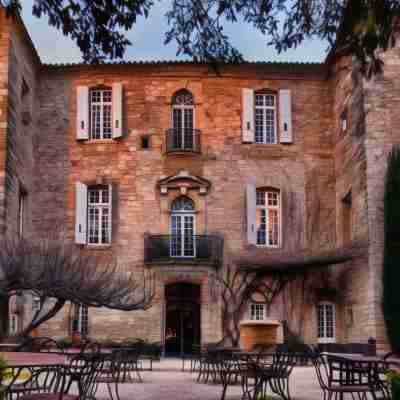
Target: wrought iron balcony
{"type": "Point", "coordinates": [186, 249]}
{"type": "Point", "coordinates": [185, 140]}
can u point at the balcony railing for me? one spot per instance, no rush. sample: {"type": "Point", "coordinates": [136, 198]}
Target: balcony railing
{"type": "Point", "coordinates": [193, 249]}
{"type": "Point", "coordinates": [183, 140]}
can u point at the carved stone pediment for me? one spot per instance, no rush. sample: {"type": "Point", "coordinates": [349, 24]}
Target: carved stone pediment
{"type": "Point", "coordinates": [183, 182]}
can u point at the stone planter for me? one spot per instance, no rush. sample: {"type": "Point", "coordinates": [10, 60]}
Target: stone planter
{"type": "Point", "coordinates": [260, 333]}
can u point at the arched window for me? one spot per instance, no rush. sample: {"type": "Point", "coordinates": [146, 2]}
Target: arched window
{"type": "Point", "coordinates": [182, 228]}
{"type": "Point", "coordinates": [326, 322]}
{"type": "Point", "coordinates": [265, 118]}
{"type": "Point", "coordinates": [183, 121]}
{"type": "Point", "coordinates": [268, 217]}
{"type": "Point", "coordinates": [101, 113]}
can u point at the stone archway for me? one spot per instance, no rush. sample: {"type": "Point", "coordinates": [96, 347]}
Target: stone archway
{"type": "Point", "coordinates": [182, 318]}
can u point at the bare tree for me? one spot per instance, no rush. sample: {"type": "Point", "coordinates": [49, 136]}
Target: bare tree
{"type": "Point", "coordinates": [237, 288]}
{"type": "Point", "coordinates": [54, 271]}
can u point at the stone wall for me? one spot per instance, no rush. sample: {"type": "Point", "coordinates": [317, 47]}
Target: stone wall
{"type": "Point", "coordinates": [350, 177]}
{"type": "Point", "coordinates": [382, 94]}
{"type": "Point", "coordinates": [19, 65]}
{"type": "Point", "coordinates": [296, 169]}
{"type": "Point", "coordinates": [5, 34]}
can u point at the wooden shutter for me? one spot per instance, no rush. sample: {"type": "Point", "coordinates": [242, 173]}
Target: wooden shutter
{"type": "Point", "coordinates": [115, 210]}
{"type": "Point", "coordinates": [117, 110]}
{"type": "Point", "coordinates": [251, 213]}
{"type": "Point", "coordinates": [80, 213]}
{"type": "Point", "coordinates": [110, 219]}
{"type": "Point", "coordinates": [82, 112]}
{"type": "Point", "coordinates": [285, 116]}
{"type": "Point", "coordinates": [248, 115]}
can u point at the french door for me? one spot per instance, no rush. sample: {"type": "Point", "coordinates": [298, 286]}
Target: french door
{"type": "Point", "coordinates": [182, 235]}
{"type": "Point", "coordinates": [183, 124]}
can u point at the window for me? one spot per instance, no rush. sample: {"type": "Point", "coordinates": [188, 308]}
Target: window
{"type": "Point", "coordinates": [101, 114]}
{"type": "Point", "coordinates": [268, 217]}
{"type": "Point", "coordinates": [182, 121]}
{"type": "Point", "coordinates": [347, 216]}
{"type": "Point", "coordinates": [265, 118]}
{"type": "Point", "coordinates": [82, 317]}
{"type": "Point", "coordinates": [21, 211]}
{"type": "Point", "coordinates": [14, 325]}
{"type": "Point", "coordinates": [344, 121]}
{"type": "Point", "coordinates": [25, 90]}
{"type": "Point", "coordinates": [36, 304]}
{"type": "Point", "coordinates": [257, 311]}
{"type": "Point", "coordinates": [99, 215]}
{"type": "Point", "coordinates": [326, 321]}
{"type": "Point", "coordinates": [145, 142]}
{"type": "Point", "coordinates": [183, 228]}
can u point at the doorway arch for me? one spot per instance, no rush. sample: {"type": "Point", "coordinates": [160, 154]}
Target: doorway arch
{"type": "Point", "coordinates": [182, 318]}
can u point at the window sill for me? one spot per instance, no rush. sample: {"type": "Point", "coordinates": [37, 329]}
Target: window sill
{"type": "Point", "coordinates": [326, 341]}
{"type": "Point", "coordinates": [98, 246]}
{"type": "Point", "coordinates": [98, 141]}
{"type": "Point", "coordinates": [263, 246]}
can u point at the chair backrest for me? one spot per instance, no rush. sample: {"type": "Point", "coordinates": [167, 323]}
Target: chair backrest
{"type": "Point", "coordinates": [345, 371]}
{"type": "Point", "coordinates": [87, 366]}
{"type": "Point", "coordinates": [321, 369]}
{"type": "Point", "coordinates": [283, 364]}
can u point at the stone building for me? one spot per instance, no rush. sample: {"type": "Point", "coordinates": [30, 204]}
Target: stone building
{"type": "Point", "coordinates": [175, 168]}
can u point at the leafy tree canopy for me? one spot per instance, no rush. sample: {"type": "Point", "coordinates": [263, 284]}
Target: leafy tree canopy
{"type": "Point", "coordinates": [197, 26]}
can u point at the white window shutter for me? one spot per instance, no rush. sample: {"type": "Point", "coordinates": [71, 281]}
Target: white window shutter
{"type": "Point", "coordinates": [117, 110]}
{"type": "Point", "coordinates": [248, 115]}
{"type": "Point", "coordinates": [110, 219]}
{"type": "Point", "coordinates": [80, 213]}
{"type": "Point", "coordinates": [251, 213]}
{"type": "Point", "coordinates": [285, 116]}
{"type": "Point", "coordinates": [82, 112]}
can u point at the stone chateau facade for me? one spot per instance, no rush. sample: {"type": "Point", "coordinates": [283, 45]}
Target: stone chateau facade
{"type": "Point", "coordinates": [175, 168]}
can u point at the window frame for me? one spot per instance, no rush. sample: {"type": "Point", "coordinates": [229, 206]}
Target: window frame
{"type": "Point", "coordinates": [183, 107]}
{"type": "Point", "coordinates": [325, 339]}
{"type": "Point", "coordinates": [22, 197]}
{"type": "Point", "coordinates": [36, 303]}
{"type": "Point", "coordinates": [181, 214]}
{"type": "Point", "coordinates": [102, 105]}
{"type": "Point", "coordinates": [257, 304]}
{"type": "Point", "coordinates": [100, 206]}
{"type": "Point", "coordinates": [264, 118]}
{"type": "Point", "coordinates": [13, 324]}
{"type": "Point", "coordinates": [81, 315]}
{"type": "Point", "coordinates": [267, 207]}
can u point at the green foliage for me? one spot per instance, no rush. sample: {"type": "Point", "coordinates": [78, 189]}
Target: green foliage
{"type": "Point", "coordinates": [3, 369]}
{"type": "Point", "coordinates": [393, 378]}
{"type": "Point", "coordinates": [391, 270]}
{"type": "Point", "coordinates": [198, 26]}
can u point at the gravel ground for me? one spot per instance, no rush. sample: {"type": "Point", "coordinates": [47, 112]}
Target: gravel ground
{"type": "Point", "coordinates": [168, 382]}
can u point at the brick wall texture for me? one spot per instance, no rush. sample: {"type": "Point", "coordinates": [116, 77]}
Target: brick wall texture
{"type": "Point", "coordinates": [315, 173]}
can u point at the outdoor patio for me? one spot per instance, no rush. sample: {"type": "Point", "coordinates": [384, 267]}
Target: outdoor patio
{"type": "Point", "coordinates": [168, 382]}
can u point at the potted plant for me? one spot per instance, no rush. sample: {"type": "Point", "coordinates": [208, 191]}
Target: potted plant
{"type": "Point", "coordinates": [393, 377]}
{"type": "Point", "coordinates": [76, 335]}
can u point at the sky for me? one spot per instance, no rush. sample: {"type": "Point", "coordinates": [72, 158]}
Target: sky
{"type": "Point", "coordinates": [147, 39]}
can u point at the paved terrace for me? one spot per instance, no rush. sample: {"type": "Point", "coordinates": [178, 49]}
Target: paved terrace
{"type": "Point", "coordinates": [167, 382]}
